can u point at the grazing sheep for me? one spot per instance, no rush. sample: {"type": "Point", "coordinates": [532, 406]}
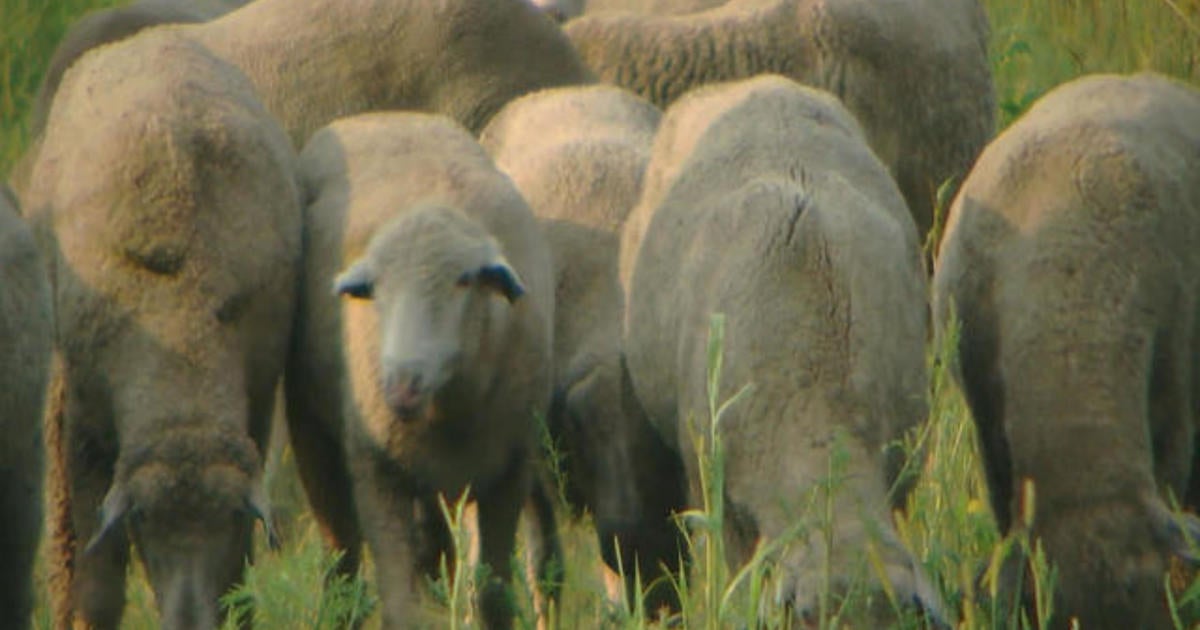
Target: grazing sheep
{"type": "Point", "coordinates": [103, 26]}
{"type": "Point", "coordinates": [25, 343]}
{"type": "Point", "coordinates": [165, 200]}
{"type": "Point", "coordinates": [316, 61]}
{"type": "Point", "coordinates": [578, 155]}
{"type": "Point", "coordinates": [1071, 257]}
{"type": "Point", "coordinates": [564, 10]}
{"type": "Point", "coordinates": [442, 365]}
{"type": "Point", "coordinates": [778, 215]}
{"type": "Point", "coordinates": [915, 73]}
{"type": "Point", "coordinates": [559, 10]}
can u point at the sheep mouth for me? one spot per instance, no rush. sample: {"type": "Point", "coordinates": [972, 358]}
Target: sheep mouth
{"type": "Point", "coordinates": [409, 404]}
{"type": "Point", "coordinates": [412, 413]}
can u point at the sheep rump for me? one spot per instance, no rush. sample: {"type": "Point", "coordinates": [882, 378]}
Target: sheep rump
{"type": "Point", "coordinates": [915, 74]}
{"type": "Point", "coordinates": [1070, 258]}
{"type": "Point", "coordinates": [764, 203]}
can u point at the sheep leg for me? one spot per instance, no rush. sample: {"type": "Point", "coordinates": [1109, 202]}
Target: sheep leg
{"type": "Point", "coordinates": [1170, 416]}
{"type": "Point", "coordinates": [98, 584]}
{"type": "Point", "coordinates": [499, 512]}
{"type": "Point", "coordinates": [21, 504]}
{"type": "Point", "coordinates": [985, 397]}
{"type": "Point", "coordinates": [324, 473]}
{"type": "Point", "coordinates": [548, 553]}
{"type": "Point", "coordinates": [433, 541]}
{"type": "Point", "coordinates": [388, 515]}
{"type": "Point", "coordinates": [1192, 499]}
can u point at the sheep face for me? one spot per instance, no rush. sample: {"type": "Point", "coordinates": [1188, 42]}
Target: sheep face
{"type": "Point", "coordinates": [600, 456]}
{"type": "Point", "coordinates": [443, 295]}
{"type": "Point", "coordinates": [191, 524]}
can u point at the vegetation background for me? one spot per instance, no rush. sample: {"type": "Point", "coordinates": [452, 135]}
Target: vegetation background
{"type": "Point", "coordinates": [1035, 45]}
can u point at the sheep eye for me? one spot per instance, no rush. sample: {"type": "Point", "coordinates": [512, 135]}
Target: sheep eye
{"type": "Point", "coordinates": [465, 279]}
{"type": "Point", "coordinates": [233, 308]}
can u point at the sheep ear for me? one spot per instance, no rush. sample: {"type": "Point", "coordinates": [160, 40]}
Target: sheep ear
{"type": "Point", "coordinates": [258, 507]}
{"type": "Point", "coordinates": [501, 278]}
{"type": "Point", "coordinates": [357, 281]}
{"type": "Point", "coordinates": [1180, 532]}
{"type": "Point", "coordinates": [937, 614]}
{"type": "Point", "coordinates": [112, 515]}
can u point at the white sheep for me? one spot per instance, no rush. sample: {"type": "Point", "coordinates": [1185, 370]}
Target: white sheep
{"type": "Point", "coordinates": [578, 155]}
{"type": "Point", "coordinates": [164, 200]}
{"type": "Point", "coordinates": [778, 215]}
{"type": "Point", "coordinates": [426, 376]}
{"type": "Point", "coordinates": [915, 73]}
{"type": "Point", "coordinates": [1071, 256]}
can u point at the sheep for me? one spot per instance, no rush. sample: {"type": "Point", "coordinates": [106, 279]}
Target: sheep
{"type": "Point", "coordinates": [565, 10]}
{"type": "Point", "coordinates": [559, 10]}
{"type": "Point", "coordinates": [103, 26]}
{"type": "Point", "coordinates": [771, 209]}
{"type": "Point", "coordinates": [26, 332]}
{"type": "Point", "coordinates": [428, 383]}
{"type": "Point", "coordinates": [914, 73]}
{"type": "Point", "coordinates": [321, 60]}
{"type": "Point", "coordinates": [315, 61]}
{"type": "Point", "coordinates": [1070, 257]}
{"type": "Point", "coordinates": [577, 154]}
{"type": "Point", "coordinates": [164, 198]}
{"type": "Point", "coordinates": [112, 24]}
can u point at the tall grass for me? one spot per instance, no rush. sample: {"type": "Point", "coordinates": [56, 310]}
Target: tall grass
{"type": "Point", "coordinates": [29, 31]}
{"type": "Point", "coordinates": [1036, 45]}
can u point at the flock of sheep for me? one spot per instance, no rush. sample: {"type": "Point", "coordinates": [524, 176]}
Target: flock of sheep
{"type": "Point", "coordinates": [431, 223]}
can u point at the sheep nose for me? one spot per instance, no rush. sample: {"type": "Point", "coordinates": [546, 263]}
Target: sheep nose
{"type": "Point", "coordinates": [404, 391]}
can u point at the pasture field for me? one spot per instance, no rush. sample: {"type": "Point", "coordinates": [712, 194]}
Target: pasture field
{"type": "Point", "coordinates": [1036, 45]}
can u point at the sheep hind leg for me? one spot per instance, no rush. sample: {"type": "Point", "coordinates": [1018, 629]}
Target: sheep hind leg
{"type": "Point", "coordinates": [1191, 499]}
{"type": "Point", "coordinates": [1171, 424]}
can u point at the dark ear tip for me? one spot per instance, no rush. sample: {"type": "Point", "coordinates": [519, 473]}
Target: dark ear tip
{"type": "Point", "coordinates": [354, 291]}
{"type": "Point", "coordinates": [502, 278]}
{"type": "Point", "coordinates": [515, 293]}
{"type": "Point", "coordinates": [91, 545]}
{"type": "Point", "coordinates": [354, 282]}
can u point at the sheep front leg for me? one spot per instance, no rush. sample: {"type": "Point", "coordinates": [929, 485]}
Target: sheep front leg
{"type": "Point", "coordinates": [98, 580]}
{"type": "Point", "coordinates": [499, 511]}
{"type": "Point", "coordinates": [402, 532]}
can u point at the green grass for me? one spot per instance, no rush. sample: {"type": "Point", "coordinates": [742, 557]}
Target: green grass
{"type": "Point", "coordinates": [29, 31]}
{"type": "Point", "coordinates": [1036, 45]}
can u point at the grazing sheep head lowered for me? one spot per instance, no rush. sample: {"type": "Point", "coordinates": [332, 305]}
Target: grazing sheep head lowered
{"type": "Point", "coordinates": [437, 305]}
{"type": "Point", "coordinates": [188, 512]}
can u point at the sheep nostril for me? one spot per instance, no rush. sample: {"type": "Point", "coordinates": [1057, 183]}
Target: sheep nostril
{"type": "Point", "coordinates": [404, 394]}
